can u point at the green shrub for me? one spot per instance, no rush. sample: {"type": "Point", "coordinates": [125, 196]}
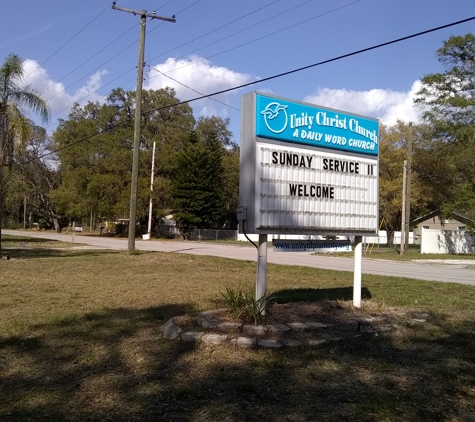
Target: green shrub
{"type": "Point", "coordinates": [244, 305]}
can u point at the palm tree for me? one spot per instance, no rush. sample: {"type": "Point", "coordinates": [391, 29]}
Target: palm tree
{"type": "Point", "coordinates": [14, 126]}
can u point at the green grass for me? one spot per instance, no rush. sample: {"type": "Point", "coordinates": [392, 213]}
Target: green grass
{"type": "Point", "coordinates": [79, 341]}
{"type": "Point", "coordinates": [393, 254]}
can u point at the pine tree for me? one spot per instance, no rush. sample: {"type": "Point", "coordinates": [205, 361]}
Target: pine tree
{"type": "Point", "coordinates": [199, 184]}
{"type": "Point", "coordinates": [447, 100]}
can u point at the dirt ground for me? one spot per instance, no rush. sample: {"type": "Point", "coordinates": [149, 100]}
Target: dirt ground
{"type": "Point", "coordinates": [343, 320]}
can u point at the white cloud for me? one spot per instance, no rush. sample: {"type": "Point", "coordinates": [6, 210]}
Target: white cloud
{"type": "Point", "coordinates": [200, 75]}
{"type": "Point", "coordinates": [386, 105]}
{"type": "Point", "coordinates": [59, 100]}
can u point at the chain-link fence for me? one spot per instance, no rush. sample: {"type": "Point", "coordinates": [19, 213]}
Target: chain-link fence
{"type": "Point", "coordinates": [171, 232]}
{"type": "Point", "coordinates": [167, 231]}
{"type": "Point", "coordinates": [216, 235]}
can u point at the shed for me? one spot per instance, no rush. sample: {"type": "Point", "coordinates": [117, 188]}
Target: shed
{"type": "Point", "coordinates": [436, 221]}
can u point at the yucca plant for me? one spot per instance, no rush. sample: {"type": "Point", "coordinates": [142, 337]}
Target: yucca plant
{"type": "Point", "coordinates": [245, 305]}
{"type": "Point", "coordinates": [254, 308]}
{"type": "Point", "coordinates": [234, 299]}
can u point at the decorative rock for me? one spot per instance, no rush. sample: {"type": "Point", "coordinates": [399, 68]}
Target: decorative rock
{"type": "Point", "coordinates": [297, 326]}
{"type": "Point", "coordinates": [210, 314]}
{"type": "Point", "coordinates": [417, 321]}
{"type": "Point", "coordinates": [166, 325]}
{"type": "Point", "coordinates": [207, 323]}
{"type": "Point", "coordinates": [291, 342]}
{"type": "Point", "coordinates": [419, 315]}
{"type": "Point", "coordinates": [191, 336]}
{"type": "Point", "coordinates": [335, 338]}
{"type": "Point", "coordinates": [318, 325]}
{"type": "Point", "coordinates": [269, 344]}
{"type": "Point", "coordinates": [278, 328]}
{"type": "Point", "coordinates": [385, 328]}
{"type": "Point", "coordinates": [273, 336]}
{"type": "Point", "coordinates": [246, 342]}
{"type": "Point", "coordinates": [363, 319]}
{"type": "Point", "coordinates": [254, 330]}
{"type": "Point", "coordinates": [214, 338]}
{"type": "Point", "coordinates": [170, 330]}
{"type": "Point", "coordinates": [316, 342]}
{"type": "Point", "coordinates": [229, 326]}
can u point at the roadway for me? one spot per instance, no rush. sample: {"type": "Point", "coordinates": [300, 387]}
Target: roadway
{"type": "Point", "coordinates": [463, 272]}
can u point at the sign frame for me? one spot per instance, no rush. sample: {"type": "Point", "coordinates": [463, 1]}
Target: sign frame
{"type": "Point", "coordinates": [255, 136]}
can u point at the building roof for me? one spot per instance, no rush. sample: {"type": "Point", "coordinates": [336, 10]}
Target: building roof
{"type": "Point", "coordinates": [454, 216]}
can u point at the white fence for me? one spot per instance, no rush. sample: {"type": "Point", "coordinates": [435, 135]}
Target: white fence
{"type": "Point", "coordinates": [381, 239]}
{"type": "Point", "coordinates": [446, 241]}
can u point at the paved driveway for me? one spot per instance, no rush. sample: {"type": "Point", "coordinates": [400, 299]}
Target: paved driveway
{"type": "Point", "coordinates": [463, 272]}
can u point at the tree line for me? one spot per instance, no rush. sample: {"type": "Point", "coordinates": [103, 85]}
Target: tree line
{"type": "Point", "coordinates": [196, 175]}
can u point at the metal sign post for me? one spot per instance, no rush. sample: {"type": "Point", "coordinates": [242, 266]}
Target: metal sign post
{"type": "Point", "coordinates": [261, 277]}
{"type": "Point", "coordinates": [357, 271]}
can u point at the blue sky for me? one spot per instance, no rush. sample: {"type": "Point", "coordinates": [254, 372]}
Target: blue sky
{"type": "Point", "coordinates": [217, 44]}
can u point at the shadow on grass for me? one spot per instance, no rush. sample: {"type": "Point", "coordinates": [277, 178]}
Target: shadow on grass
{"type": "Point", "coordinates": [75, 368]}
{"type": "Point", "coordinates": [313, 295]}
{"type": "Point", "coordinates": [114, 365]}
{"type": "Point", "coordinates": [54, 253]}
{"type": "Point", "coordinates": [10, 240]}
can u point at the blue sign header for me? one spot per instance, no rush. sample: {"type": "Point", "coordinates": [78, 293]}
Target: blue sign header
{"type": "Point", "coordinates": [311, 125]}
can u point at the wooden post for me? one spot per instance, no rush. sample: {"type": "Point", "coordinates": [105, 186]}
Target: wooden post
{"type": "Point", "coordinates": [138, 115]}
{"type": "Point", "coordinates": [403, 216]}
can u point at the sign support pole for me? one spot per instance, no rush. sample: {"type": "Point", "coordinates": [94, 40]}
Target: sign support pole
{"type": "Point", "coordinates": [357, 271]}
{"type": "Point", "coordinates": [261, 268]}
{"type": "Point", "coordinates": [404, 213]}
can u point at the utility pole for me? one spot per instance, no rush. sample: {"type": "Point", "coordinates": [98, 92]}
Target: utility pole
{"type": "Point", "coordinates": [403, 213]}
{"type": "Point", "coordinates": [408, 185]}
{"type": "Point", "coordinates": [138, 114]}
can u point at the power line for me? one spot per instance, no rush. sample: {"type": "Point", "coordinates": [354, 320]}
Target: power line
{"type": "Point", "coordinates": [86, 61]}
{"type": "Point", "coordinates": [256, 39]}
{"type": "Point", "coordinates": [166, 4]}
{"type": "Point", "coordinates": [194, 90]}
{"type": "Point", "coordinates": [197, 61]}
{"type": "Point", "coordinates": [108, 45]}
{"type": "Point", "coordinates": [279, 75]}
{"type": "Point", "coordinates": [217, 29]}
{"type": "Point", "coordinates": [107, 61]}
{"type": "Point", "coordinates": [67, 42]}
{"type": "Point", "coordinates": [364, 50]}
{"type": "Point", "coordinates": [93, 92]}
{"type": "Point", "coordinates": [133, 43]}
{"type": "Point", "coordinates": [174, 14]}
{"type": "Point", "coordinates": [97, 68]}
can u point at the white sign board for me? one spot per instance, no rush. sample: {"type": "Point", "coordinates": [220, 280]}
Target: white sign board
{"type": "Point", "coordinates": [315, 171]}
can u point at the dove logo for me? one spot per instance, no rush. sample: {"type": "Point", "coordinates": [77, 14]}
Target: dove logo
{"type": "Point", "coordinates": [275, 117]}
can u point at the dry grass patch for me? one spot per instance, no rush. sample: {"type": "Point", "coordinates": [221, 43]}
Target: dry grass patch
{"type": "Point", "coordinates": [79, 340]}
